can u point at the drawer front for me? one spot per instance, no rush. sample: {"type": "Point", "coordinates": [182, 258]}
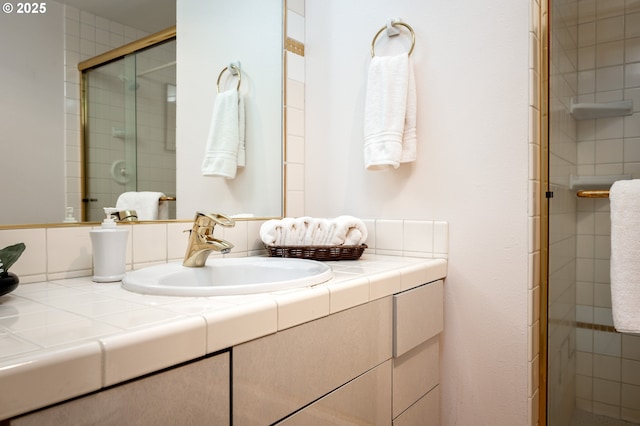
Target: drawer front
{"type": "Point", "coordinates": [415, 374]}
{"type": "Point", "coordinates": [417, 316]}
{"type": "Point", "coordinates": [278, 374]}
{"type": "Point", "coordinates": [363, 401]}
{"type": "Point", "coordinates": [194, 394]}
{"type": "Point", "coordinates": [425, 412]}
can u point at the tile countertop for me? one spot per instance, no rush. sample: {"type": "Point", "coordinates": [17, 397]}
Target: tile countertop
{"type": "Point", "coordinates": [65, 338]}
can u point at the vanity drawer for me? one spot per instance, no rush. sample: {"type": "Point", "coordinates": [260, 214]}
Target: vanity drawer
{"type": "Point", "coordinates": [196, 393]}
{"type": "Point", "coordinates": [415, 374]}
{"type": "Point", "coordinates": [425, 412]}
{"type": "Point", "coordinates": [417, 316]}
{"type": "Point", "coordinates": [278, 374]}
{"type": "Point", "coordinates": [363, 401]}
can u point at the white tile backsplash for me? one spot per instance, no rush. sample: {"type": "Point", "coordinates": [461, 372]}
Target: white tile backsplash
{"type": "Point", "coordinates": [389, 236]}
{"type": "Point", "coordinates": [65, 251]}
{"type": "Point", "coordinates": [68, 250]}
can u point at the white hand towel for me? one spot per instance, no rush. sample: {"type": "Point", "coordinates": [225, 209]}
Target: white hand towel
{"type": "Point", "coordinates": [409, 138]}
{"type": "Point", "coordinates": [624, 197]}
{"type": "Point", "coordinates": [146, 204]}
{"type": "Point", "coordinates": [241, 133]}
{"type": "Point", "coordinates": [390, 113]}
{"type": "Point", "coordinates": [224, 151]}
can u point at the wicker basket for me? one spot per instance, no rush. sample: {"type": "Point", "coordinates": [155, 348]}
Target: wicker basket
{"type": "Point", "coordinates": [317, 252]}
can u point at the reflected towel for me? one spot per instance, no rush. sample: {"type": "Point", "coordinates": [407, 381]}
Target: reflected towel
{"type": "Point", "coordinates": [225, 150]}
{"type": "Point", "coordinates": [147, 204]}
{"type": "Point", "coordinates": [624, 198]}
{"type": "Point", "coordinates": [390, 113]}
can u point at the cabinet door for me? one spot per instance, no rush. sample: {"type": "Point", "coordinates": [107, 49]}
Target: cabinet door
{"type": "Point", "coordinates": [365, 400]}
{"type": "Point", "coordinates": [278, 374]}
{"type": "Point", "coordinates": [193, 394]}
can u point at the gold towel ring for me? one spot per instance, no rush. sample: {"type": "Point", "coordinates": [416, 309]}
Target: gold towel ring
{"type": "Point", "coordinates": [233, 67]}
{"type": "Point", "coordinates": [407, 26]}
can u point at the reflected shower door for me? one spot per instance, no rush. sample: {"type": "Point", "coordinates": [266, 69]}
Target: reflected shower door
{"type": "Point", "coordinates": [129, 129]}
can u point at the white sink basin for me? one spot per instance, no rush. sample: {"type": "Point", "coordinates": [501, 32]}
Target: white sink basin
{"type": "Point", "coordinates": [227, 276]}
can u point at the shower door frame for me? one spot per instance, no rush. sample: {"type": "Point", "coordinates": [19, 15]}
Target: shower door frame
{"type": "Point", "coordinates": [544, 195]}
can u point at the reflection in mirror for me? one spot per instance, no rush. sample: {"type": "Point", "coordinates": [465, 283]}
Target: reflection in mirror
{"type": "Point", "coordinates": [129, 131]}
{"type": "Point", "coordinates": [40, 146]}
{"type": "Point", "coordinates": [40, 107]}
{"type": "Point", "coordinates": [217, 33]}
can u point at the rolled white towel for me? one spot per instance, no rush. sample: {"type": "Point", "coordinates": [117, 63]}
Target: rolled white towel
{"type": "Point", "coordinates": [287, 231]}
{"type": "Point", "coordinates": [307, 231]}
{"type": "Point", "coordinates": [295, 230]}
{"type": "Point", "coordinates": [315, 230]}
{"type": "Point", "coordinates": [355, 237]}
{"type": "Point", "coordinates": [349, 231]}
{"type": "Point", "coordinates": [270, 232]}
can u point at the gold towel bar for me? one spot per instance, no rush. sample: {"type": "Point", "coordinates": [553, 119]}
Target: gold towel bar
{"type": "Point", "coordinates": [234, 70]}
{"type": "Point", "coordinates": [407, 26]}
{"type": "Point", "coordinates": [593, 194]}
{"type": "Point", "coordinates": [167, 199]}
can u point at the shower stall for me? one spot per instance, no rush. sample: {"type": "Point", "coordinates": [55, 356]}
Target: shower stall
{"type": "Point", "coordinates": [129, 127]}
{"type": "Point", "coordinates": [593, 372]}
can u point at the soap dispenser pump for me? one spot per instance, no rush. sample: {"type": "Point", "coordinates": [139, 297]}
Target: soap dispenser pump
{"type": "Point", "coordinates": [109, 249]}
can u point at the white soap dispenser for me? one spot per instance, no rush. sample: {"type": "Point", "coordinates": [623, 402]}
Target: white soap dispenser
{"type": "Point", "coordinates": [109, 250]}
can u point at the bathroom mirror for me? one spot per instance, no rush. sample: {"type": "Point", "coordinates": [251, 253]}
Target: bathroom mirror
{"type": "Point", "coordinates": [40, 129]}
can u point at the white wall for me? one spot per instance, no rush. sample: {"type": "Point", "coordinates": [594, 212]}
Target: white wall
{"type": "Point", "coordinates": [471, 61]}
{"type": "Point", "coordinates": [211, 35]}
{"type": "Point", "coordinates": [31, 117]}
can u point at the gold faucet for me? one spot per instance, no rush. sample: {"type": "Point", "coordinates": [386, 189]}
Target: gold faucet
{"type": "Point", "coordinates": [201, 240]}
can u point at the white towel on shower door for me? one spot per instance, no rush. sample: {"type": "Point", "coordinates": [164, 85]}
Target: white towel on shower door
{"type": "Point", "coordinates": [624, 197]}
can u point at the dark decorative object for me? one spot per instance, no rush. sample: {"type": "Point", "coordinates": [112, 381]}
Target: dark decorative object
{"type": "Point", "coordinates": [8, 282]}
{"type": "Point", "coordinates": [317, 252]}
{"type": "Point", "coordinates": [8, 256]}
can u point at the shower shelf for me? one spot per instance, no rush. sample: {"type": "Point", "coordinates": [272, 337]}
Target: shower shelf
{"type": "Point", "coordinates": [589, 111]}
{"type": "Point", "coordinates": [594, 182]}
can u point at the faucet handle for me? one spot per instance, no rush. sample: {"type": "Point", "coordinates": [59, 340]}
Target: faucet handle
{"type": "Point", "coordinates": [205, 219]}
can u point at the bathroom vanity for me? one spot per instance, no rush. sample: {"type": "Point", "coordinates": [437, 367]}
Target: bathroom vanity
{"type": "Point", "coordinates": [362, 347]}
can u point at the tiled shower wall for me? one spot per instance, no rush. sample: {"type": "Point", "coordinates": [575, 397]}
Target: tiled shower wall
{"type": "Point", "coordinates": [608, 363]}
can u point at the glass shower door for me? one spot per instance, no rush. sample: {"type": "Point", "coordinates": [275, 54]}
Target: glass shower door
{"type": "Point", "coordinates": [593, 372]}
{"type": "Point", "coordinates": [109, 139]}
